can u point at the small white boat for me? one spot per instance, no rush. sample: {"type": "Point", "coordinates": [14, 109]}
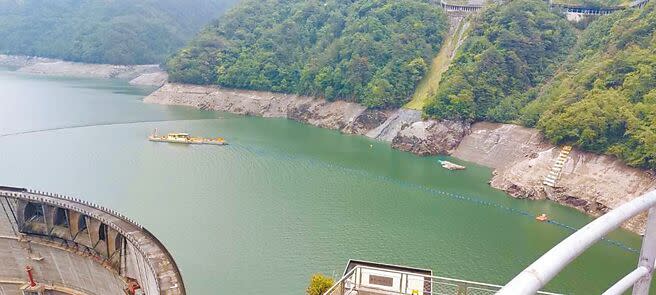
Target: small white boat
{"type": "Point", "coordinates": [451, 166]}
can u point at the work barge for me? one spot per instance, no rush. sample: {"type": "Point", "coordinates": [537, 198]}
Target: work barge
{"type": "Point", "coordinates": [54, 244]}
{"type": "Point", "coordinates": [185, 138]}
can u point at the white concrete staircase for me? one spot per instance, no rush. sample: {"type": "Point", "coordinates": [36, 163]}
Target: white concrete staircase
{"type": "Point", "coordinates": [557, 168]}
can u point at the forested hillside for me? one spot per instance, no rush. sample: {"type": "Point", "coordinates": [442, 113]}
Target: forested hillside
{"type": "Point", "coordinates": [512, 48]}
{"type": "Point", "coordinates": [606, 100]}
{"type": "Point", "coordinates": [373, 52]}
{"type": "Point", "coordinates": [522, 63]}
{"type": "Point", "coordinates": [602, 98]}
{"type": "Point", "coordinates": [99, 31]}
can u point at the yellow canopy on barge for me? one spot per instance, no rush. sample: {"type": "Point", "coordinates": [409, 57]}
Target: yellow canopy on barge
{"type": "Point", "coordinates": [185, 138]}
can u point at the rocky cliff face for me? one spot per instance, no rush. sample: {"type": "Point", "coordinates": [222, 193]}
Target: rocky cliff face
{"type": "Point", "coordinates": [404, 128]}
{"type": "Point", "coordinates": [395, 122]}
{"type": "Point", "coordinates": [520, 156]}
{"type": "Point", "coordinates": [522, 159]}
{"type": "Point", "coordinates": [427, 138]}
{"type": "Point", "coordinates": [339, 115]}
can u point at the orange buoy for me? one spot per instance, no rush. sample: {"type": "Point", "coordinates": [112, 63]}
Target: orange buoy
{"type": "Point", "coordinates": [542, 217]}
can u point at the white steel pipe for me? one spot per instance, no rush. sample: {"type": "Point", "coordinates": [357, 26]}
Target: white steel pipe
{"type": "Point", "coordinates": [538, 274]}
{"type": "Point", "coordinates": [626, 282]}
{"type": "Point", "coordinates": [647, 255]}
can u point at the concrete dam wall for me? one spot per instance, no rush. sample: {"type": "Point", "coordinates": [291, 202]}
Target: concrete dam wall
{"type": "Point", "coordinates": [75, 247]}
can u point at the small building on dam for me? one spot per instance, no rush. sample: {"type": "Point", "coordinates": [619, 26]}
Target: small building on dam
{"type": "Point", "coordinates": [52, 244]}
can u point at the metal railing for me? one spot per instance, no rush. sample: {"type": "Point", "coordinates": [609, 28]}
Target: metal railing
{"type": "Point", "coordinates": [638, 3]}
{"type": "Point", "coordinates": [589, 10]}
{"type": "Point", "coordinates": [459, 7]}
{"type": "Point", "coordinates": [352, 283]}
{"type": "Point", "coordinates": [551, 263]}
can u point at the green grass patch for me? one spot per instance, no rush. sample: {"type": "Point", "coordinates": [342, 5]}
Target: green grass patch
{"type": "Point", "coordinates": [429, 83]}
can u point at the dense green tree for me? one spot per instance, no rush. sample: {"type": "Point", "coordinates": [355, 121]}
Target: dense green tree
{"type": "Point", "coordinates": [512, 48]}
{"type": "Point", "coordinates": [97, 31]}
{"type": "Point", "coordinates": [603, 98]}
{"type": "Point", "coordinates": [606, 100]}
{"type": "Point", "coordinates": [373, 52]}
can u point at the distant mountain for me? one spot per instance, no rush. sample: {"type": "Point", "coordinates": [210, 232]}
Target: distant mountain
{"type": "Point", "coordinates": [102, 31]}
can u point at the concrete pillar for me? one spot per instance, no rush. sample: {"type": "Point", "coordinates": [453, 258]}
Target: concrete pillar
{"type": "Point", "coordinates": [98, 244]}
{"type": "Point", "coordinates": [60, 231]}
{"type": "Point", "coordinates": [80, 235]}
{"type": "Point", "coordinates": [35, 226]}
{"type": "Point", "coordinates": [114, 246]}
{"type": "Point", "coordinates": [647, 254]}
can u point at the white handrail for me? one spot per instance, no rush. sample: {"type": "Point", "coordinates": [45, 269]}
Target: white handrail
{"type": "Point", "coordinates": [551, 263]}
{"type": "Point", "coordinates": [464, 285]}
{"type": "Point", "coordinates": [340, 282]}
{"type": "Point", "coordinates": [627, 282]}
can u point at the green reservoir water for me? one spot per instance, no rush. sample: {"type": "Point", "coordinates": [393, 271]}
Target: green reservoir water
{"type": "Point", "coordinates": [283, 200]}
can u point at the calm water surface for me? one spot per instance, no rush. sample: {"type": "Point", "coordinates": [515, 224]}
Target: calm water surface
{"type": "Point", "coordinates": [283, 200]}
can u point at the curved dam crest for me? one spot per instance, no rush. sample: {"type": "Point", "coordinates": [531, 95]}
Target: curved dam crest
{"type": "Point", "coordinates": [60, 225]}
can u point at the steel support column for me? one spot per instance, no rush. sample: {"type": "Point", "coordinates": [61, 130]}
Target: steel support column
{"type": "Point", "coordinates": [538, 274]}
{"type": "Point", "coordinates": [647, 254]}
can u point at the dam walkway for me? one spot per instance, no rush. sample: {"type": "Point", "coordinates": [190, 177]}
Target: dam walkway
{"type": "Point", "coordinates": [97, 236]}
{"type": "Point", "coordinates": [591, 10]}
{"type": "Point", "coordinates": [564, 7]}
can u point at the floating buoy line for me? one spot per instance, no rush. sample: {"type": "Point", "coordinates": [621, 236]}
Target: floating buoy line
{"type": "Point", "coordinates": [471, 199]}
{"type": "Point", "coordinates": [98, 125]}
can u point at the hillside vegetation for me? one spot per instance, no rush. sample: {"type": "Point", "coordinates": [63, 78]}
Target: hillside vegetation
{"type": "Point", "coordinates": [99, 31]}
{"type": "Point", "coordinates": [521, 63]}
{"type": "Point", "coordinates": [606, 101]}
{"type": "Point", "coordinates": [428, 85]}
{"type": "Point", "coordinates": [602, 99]}
{"type": "Point", "coordinates": [372, 52]}
{"type": "Point", "coordinates": [511, 49]}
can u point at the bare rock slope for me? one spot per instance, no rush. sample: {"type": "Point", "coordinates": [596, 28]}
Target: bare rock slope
{"type": "Point", "coordinates": [430, 137]}
{"type": "Point", "coordinates": [522, 159]}
{"type": "Point", "coordinates": [396, 121]}
{"type": "Point", "coordinates": [339, 115]}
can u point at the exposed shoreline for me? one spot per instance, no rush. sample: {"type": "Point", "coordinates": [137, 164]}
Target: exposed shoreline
{"type": "Point", "coordinates": [520, 157]}
{"type": "Point", "coordinates": [148, 75]}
